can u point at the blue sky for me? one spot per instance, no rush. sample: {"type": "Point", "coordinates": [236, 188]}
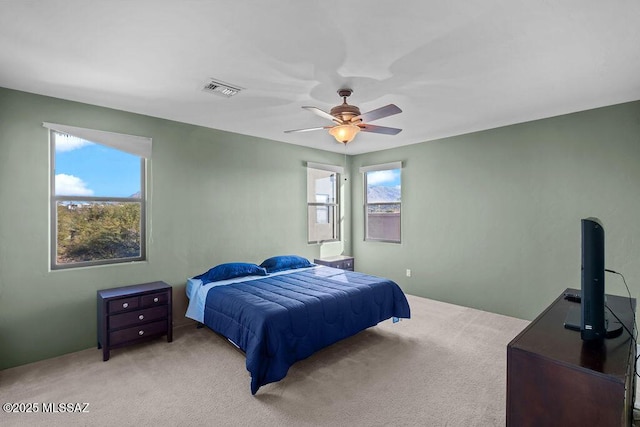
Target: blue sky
{"type": "Point", "coordinates": [384, 178]}
{"type": "Point", "coordinates": [87, 169]}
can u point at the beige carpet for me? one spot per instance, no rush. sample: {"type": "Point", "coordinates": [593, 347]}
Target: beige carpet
{"type": "Point", "coordinates": [444, 367]}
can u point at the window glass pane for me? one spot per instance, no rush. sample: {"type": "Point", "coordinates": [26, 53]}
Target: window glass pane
{"type": "Point", "coordinates": [383, 222]}
{"type": "Point", "coordinates": [323, 224]}
{"type": "Point", "coordinates": [94, 231]}
{"type": "Point", "coordinates": [383, 186]}
{"type": "Point", "coordinates": [322, 216]}
{"type": "Point", "coordinates": [83, 168]}
{"type": "Point", "coordinates": [321, 183]}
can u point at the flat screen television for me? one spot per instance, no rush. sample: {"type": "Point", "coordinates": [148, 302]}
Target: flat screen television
{"type": "Point", "coordinates": [591, 316]}
{"type": "Point", "coordinates": [595, 324]}
{"type": "Point", "coordinates": [592, 321]}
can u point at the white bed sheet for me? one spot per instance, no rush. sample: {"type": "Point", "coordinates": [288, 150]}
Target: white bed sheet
{"type": "Point", "coordinates": [197, 293]}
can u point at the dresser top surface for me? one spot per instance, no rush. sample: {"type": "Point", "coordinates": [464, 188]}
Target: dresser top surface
{"type": "Point", "coordinates": [547, 337]}
{"type": "Point", "coordinates": [335, 258]}
{"type": "Point", "coordinates": [133, 289]}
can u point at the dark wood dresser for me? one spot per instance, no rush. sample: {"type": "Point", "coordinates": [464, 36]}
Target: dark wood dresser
{"type": "Point", "coordinates": [342, 262]}
{"type": "Point", "coordinates": [131, 314]}
{"type": "Point", "coordinates": [556, 379]}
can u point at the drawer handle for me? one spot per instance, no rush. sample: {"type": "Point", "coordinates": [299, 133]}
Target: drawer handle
{"type": "Point", "coordinates": [125, 305]}
{"type": "Point", "coordinates": [156, 299]}
{"type": "Point", "coordinates": [140, 332]}
{"type": "Point", "coordinates": [141, 317]}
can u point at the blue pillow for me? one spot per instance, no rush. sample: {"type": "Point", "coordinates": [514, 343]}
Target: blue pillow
{"type": "Point", "coordinates": [229, 271]}
{"type": "Point", "coordinates": [285, 262]}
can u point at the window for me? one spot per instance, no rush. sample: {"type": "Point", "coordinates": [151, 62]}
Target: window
{"type": "Point", "coordinates": [383, 187]}
{"type": "Point", "coordinates": [323, 202]}
{"type": "Point", "coordinates": [97, 197]}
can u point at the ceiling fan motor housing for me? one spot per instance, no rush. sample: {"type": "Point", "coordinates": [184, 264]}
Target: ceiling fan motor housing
{"type": "Point", "coordinates": [345, 112]}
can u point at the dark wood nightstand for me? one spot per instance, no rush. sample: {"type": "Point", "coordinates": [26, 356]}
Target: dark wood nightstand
{"type": "Point", "coordinates": [131, 314]}
{"type": "Point", "coordinates": [343, 262]}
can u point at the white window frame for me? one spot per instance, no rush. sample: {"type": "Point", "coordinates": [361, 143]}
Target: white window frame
{"type": "Point", "coordinates": [136, 145]}
{"type": "Point", "coordinates": [330, 206]}
{"type": "Point", "coordinates": [374, 168]}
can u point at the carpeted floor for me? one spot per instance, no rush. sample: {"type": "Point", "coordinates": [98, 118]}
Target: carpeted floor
{"type": "Point", "coordinates": [444, 367]}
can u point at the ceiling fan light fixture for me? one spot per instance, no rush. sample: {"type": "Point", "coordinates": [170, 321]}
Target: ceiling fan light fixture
{"type": "Point", "coordinates": [349, 121]}
{"type": "Point", "coordinates": [344, 133]}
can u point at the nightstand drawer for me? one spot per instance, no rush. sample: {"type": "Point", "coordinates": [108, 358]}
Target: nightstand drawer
{"type": "Point", "coordinates": [130, 334]}
{"type": "Point", "coordinates": [137, 317]}
{"type": "Point", "coordinates": [151, 300]}
{"type": "Point", "coordinates": [123, 304]}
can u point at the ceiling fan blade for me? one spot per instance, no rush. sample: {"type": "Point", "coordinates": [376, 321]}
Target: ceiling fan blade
{"type": "Point", "coordinates": [378, 113]}
{"type": "Point", "coordinates": [307, 129]}
{"type": "Point", "coordinates": [320, 113]}
{"type": "Point", "coordinates": [379, 129]}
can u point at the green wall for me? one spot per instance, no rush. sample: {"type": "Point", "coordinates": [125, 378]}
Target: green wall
{"type": "Point", "coordinates": [214, 197]}
{"type": "Point", "coordinates": [492, 219]}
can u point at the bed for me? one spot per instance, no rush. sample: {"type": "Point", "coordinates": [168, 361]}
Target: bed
{"type": "Point", "coordinates": [280, 315]}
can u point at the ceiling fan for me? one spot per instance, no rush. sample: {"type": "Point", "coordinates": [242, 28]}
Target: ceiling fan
{"type": "Point", "coordinates": [349, 121]}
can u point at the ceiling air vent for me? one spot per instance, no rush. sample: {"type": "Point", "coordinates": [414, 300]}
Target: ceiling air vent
{"type": "Point", "coordinates": [221, 89]}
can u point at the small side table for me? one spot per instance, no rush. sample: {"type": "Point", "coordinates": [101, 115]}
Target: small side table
{"type": "Point", "coordinates": [132, 314]}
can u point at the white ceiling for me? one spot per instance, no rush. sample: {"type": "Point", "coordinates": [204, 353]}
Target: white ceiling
{"type": "Point", "coordinates": [453, 67]}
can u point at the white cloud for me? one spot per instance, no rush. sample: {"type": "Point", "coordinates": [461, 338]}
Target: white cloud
{"type": "Point", "coordinates": [69, 185]}
{"type": "Point", "coordinates": [382, 177]}
{"type": "Point", "coordinates": [69, 143]}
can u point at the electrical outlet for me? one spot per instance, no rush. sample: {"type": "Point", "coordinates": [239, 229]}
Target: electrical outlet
{"type": "Point", "coordinates": [408, 272]}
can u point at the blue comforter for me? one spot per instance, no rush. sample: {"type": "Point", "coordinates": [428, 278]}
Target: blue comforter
{"type": "Point", "coordinates": [279, 320]}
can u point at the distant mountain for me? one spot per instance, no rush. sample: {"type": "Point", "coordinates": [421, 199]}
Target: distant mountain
{"type": "Point", "coordinates": [383, 194]}
{"type": "Point", "coordinates": [136, 195]}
